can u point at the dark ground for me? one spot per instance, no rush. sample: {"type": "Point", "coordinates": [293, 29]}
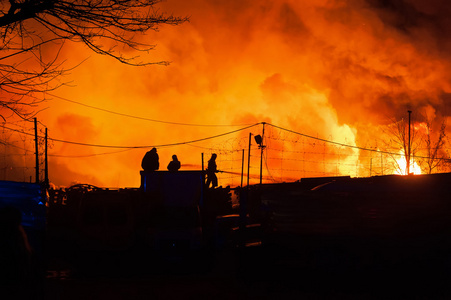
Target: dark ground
{"type": "Point", "coordinates": [318, 270]}
{"type": "Point", "coordinates": [372, 238]}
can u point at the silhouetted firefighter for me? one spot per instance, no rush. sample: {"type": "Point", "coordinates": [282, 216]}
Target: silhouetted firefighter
{"type": "Point", "coordinates": [174, 164]}
{"type": "Point", "coordinates": [211, 172]}
{"type": "Point", "coordinates": [150, 161]}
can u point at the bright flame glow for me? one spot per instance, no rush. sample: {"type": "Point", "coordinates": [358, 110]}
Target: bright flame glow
{"type": "Point", "coordinates": [402, 166]}
{"type": "Point", "coordinates": [335, 70]}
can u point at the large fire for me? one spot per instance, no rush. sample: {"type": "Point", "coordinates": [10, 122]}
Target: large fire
{"type": "Point", "coordinates": [401, 163]}
{"type": "Point", "coordinates": [332, 70]}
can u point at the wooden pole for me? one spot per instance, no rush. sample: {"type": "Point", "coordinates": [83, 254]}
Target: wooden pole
{"type": "Point", "coordinates": [46, 162]}
{"type": "Point", "coordinates": [408, 145]}
{"type": "Point", "coordinates": [202, 161]}
{"type": "Point", "coordinates": [203, 170]}
{"type": "Point", "coordinates": [36, 148]}
{"type": "Point", "coordinates": [261, 153]}
{"type": "Point", "coordinates": [249, 158]}
{"type": "Point", "coordinates": [242, 168]}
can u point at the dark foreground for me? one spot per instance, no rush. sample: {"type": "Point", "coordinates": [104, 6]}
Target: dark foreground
{"type": "Point", "coordinates": [370, 238]}
{"type": "Point", "coordinates": [326, 268]}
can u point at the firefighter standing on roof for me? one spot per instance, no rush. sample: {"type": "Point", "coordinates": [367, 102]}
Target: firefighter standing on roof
{"type": "Point", "coordinates": [211, 172]}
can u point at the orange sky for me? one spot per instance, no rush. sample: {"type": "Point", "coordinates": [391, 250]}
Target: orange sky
{"type": "Point", "coordinates": [337, 70]}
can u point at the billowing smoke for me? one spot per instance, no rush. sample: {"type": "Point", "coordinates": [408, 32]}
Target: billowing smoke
{"type": "Point", "coordinates": [336, 70]}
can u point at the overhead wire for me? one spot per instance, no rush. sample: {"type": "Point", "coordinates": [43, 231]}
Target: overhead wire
{"type": "Point", "coordinates": [212, 137]}
{"type": "Point", "coordinates": [16, 130]}
{"type": "Point", "coordinates": [145, 119]}
{"type": "Point", "coordinates": [156, 146]}
{"type": "Point", "coordinates": [346, 145]}
{"type": "Point", "coordinates": [135, 147]}
{"type": "Point", "coordinates": [233, 145]}
{"type": "Point", "coordinates": [89, 155]}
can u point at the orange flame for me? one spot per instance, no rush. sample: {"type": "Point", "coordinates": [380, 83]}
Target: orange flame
{"type": "Point", "coordinates": [402, 166]}
{"type": "Point", "coordinates": [331, 69]}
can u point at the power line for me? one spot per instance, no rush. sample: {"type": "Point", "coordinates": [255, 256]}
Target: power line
{"type": "Point", "coordinates": [14, 146]}
{"type": "Point", "coordinates": [145, 119]}
{"type": "Point", "coordinates": [151, 146]}
{"type": "Point", "coordinates": [136, 147]}
{"type": "Point", "coordinates": [89, 155]}
{"type": "Point", "coordinates": [212, 137]}
{"type": "Point", "coordinates": [19, 131]}
{"type": "Point", "coordinates": [345, 145]}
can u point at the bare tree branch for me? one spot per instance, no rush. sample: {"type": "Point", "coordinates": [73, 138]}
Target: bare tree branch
{"type": "Point", "coordinates": [28, 26]}
{"type": "Point", "coordinates": [433, 150]}
{"type": "Point", "coordinates": [398, 139]}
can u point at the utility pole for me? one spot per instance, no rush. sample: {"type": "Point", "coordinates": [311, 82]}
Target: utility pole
{"type": "Point", "coordinates": [244, 195]}
{"type": "Point", "coordinates": [371, 165]}
{"type": "Point", "coordinates": [203, 170]}
{"type": "Point", "coordinates": [249, 158]}
{"type": "Point", "coordinates": [408, 147]}
{"type": "Point", "coordinates": [242, 168]}
{"type": "Point", "coordinates": [36, 148]}
{"type": "Point", "coordinates": [46, 180]}
{"type": "Point", "coordinates": [202, 158]}
{"type": "Point", "coordinates": [261, 152]}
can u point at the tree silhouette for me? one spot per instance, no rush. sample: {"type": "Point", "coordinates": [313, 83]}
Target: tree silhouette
{"type": "Point", "coordinates": [397, 139]}
{"type": "Point", "coordinates": [430, 156]}
{"type": "Point", "coordinates": [33, 32]}
{"type": "Point", "coordinates": [436, 157]}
